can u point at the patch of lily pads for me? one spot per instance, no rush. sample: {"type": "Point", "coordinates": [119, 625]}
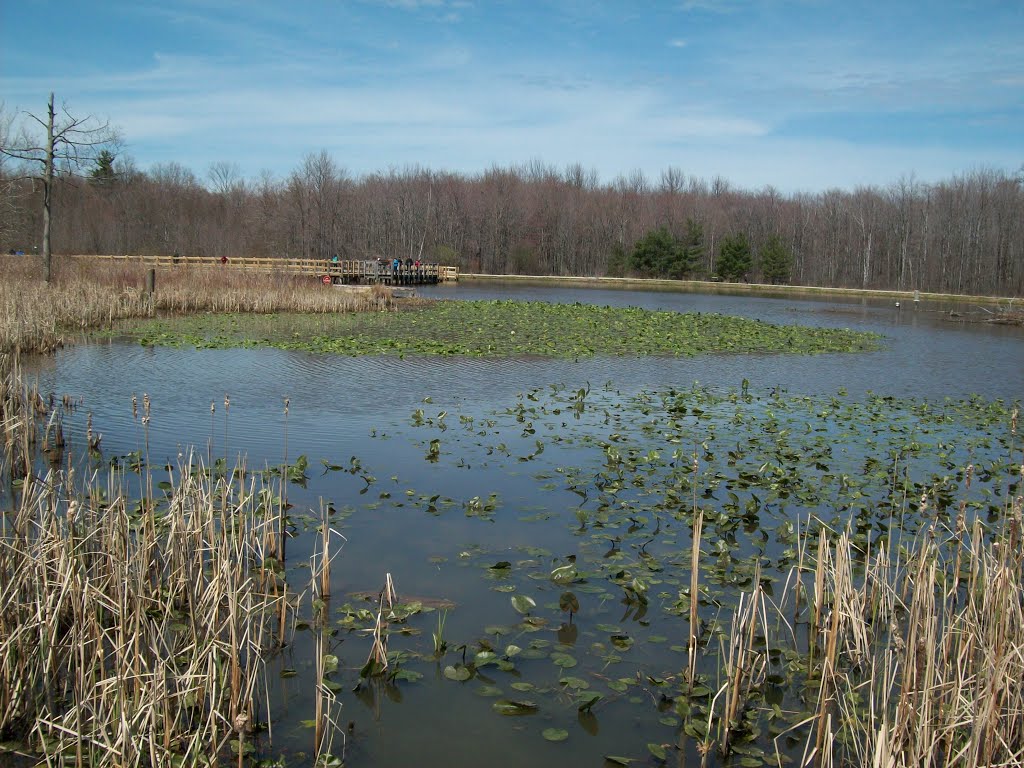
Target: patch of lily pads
{"type": "Point", "coordinates": [500, 328]}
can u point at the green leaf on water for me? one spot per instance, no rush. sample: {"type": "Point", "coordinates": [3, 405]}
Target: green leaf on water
{"type": "Point", "coordinates": [485, 657]}
{"type": "Point", "coordinates": [576, 683]}
{"type": "Point", "coordinates": [514, 708]}
{"type": "Point", "coordinates": [555, 734]}
{"type": "Point", "coordinates": [658, 750]}
{"type": "Point", "coordinates": [458, 673]}
{"type": "Point", "coordinates": [568, 602]}
{"type": "Point", "coordinates": [565, 574]}
{"type": "Point", "coordinates": [622, 642]}
{"type": "Point", "coordinates": [587, 699]}
{"type": "Point", "coordinates": [523, 603]}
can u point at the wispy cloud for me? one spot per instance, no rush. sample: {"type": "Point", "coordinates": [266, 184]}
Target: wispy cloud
{"type": "Point", "coordinates": [812, 92]}
{"type": "Point", "coordinates": [711, 6]}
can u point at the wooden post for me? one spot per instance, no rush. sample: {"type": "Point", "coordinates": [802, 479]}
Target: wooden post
{"type": "Point", "coordinates": [151, 282]}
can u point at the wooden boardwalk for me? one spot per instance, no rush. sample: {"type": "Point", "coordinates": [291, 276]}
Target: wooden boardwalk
{"type": "Point", "coordinates": [345, 271]}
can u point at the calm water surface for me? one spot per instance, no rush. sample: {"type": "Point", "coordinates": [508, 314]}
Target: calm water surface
{"type": "Point", "coordinates": [363, 407]}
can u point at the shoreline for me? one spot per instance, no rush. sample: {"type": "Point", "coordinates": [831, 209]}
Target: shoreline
{"type": "Point", "coordinates": [764, 289]}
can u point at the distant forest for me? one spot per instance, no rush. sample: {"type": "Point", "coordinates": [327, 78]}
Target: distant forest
{"type": "Point", "coordinates": [963, 235]}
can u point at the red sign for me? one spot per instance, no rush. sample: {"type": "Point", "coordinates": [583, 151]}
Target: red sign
{"type": "Point", "coordinates": [326, 279]}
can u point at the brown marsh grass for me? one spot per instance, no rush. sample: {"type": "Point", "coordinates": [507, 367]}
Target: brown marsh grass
{"type": "Point", "coordinates": [36, 317]}
{"type": "Point", "coordinates": [128, 638]}
{"type": "Point", "coordinates": [135, 631]}
{"type": "Point", "coordinates": [914, 653]}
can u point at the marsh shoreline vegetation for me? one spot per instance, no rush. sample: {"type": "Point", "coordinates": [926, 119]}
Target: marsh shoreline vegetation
{"type": "Point", "coordinates": [36, 317]}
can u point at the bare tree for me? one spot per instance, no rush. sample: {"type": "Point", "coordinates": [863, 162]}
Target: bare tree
{"type": "Point", "coordinates": [225, 177]}
{"type": "Point", "coordinates": [70, 144]}
{"type": "Point", "coordinates": [7, 184]}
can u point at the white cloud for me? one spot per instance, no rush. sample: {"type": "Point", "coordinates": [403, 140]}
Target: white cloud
{"type": "Point", "coordinates": [711, 6]}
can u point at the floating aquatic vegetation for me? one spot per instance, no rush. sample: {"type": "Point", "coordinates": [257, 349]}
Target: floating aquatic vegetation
{"type": "Point", "coordinates": [750, 568]}
{"type": "Point", "coordinates": [502, 328]}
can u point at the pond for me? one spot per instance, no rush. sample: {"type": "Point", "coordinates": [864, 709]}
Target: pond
{"type": "Point", "coordinates": [476, 483]}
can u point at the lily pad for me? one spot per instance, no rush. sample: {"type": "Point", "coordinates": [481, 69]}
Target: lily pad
{"type": "Point", "coordinates": [458, 673]}
{"type": "Point", "coordinates": [513, 708]}
{"type": "Point", "coordinates": [523, 603]}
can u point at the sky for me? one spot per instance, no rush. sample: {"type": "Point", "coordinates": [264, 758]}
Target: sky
{"type": "Point", "coordinates": [801, 95]}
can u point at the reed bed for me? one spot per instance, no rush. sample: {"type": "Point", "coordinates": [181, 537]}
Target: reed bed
{"type": "Point", "coordinates": [913, 653]}
{"type": "Point", "coordinates": [36, 317]}
{"type": "Point", "coordinates": [135, 629]}
{"type": "Point", "coordinates": [130, 638]}
{"type": "Point", "coordinates": [924, 663]}
{"type": "Point", "coordinates": [22, 409]}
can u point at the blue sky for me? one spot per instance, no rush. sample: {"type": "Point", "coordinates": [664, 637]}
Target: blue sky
{"type": "Point", "coordinates": [803, 95]}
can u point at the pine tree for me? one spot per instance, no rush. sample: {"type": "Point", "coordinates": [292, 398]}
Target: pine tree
{"type": "Point", "coordinates": [693, 247]}
{"type": "Point", "coordinates": [655, 253]}
{"type": "Point", "coordinates": [734, 259]}
{"type": "Point", "coordinates": [776, 261]}
{"type": "Point", "coordinates": [103, 175]}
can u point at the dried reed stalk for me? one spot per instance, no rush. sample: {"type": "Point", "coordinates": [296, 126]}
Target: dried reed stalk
{"type": "Point", "coordinates": [378, 658]}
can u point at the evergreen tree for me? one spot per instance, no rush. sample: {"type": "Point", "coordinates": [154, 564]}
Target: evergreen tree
{"type": "Point", "coordinates": [655, 254]}
{"type": "Point", "coordinates": [776, 261]}
{"type": "Point", "coordinates": [734, 259]}
{"type": "Point", "coordinates": [660, 254]}
{"type": "Point", "coordinates": [103, 175]}
{"type": "Point", "coordinates": [693, 247]}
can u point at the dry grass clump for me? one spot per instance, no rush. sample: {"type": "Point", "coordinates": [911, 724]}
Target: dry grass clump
{"type": "Point", "coordinates": [926, 658]}
{"type": "Point", "coordinates": [914, 652]}
{"type": "Point", "coordinates": [21, 410]}
{"type": "Point", "coordinates": [130, 637]}
{"type": "Point", "coordinates": [36, 317]}
{"type": "Point", "coordinates": [135, 631]}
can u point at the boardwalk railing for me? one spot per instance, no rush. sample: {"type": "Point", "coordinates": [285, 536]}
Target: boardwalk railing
{"type": "Point", "coordinates": [342, 271]}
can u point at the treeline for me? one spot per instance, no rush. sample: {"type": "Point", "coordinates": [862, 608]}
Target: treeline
{"type": "Point", "coordinates": [963, 235]}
